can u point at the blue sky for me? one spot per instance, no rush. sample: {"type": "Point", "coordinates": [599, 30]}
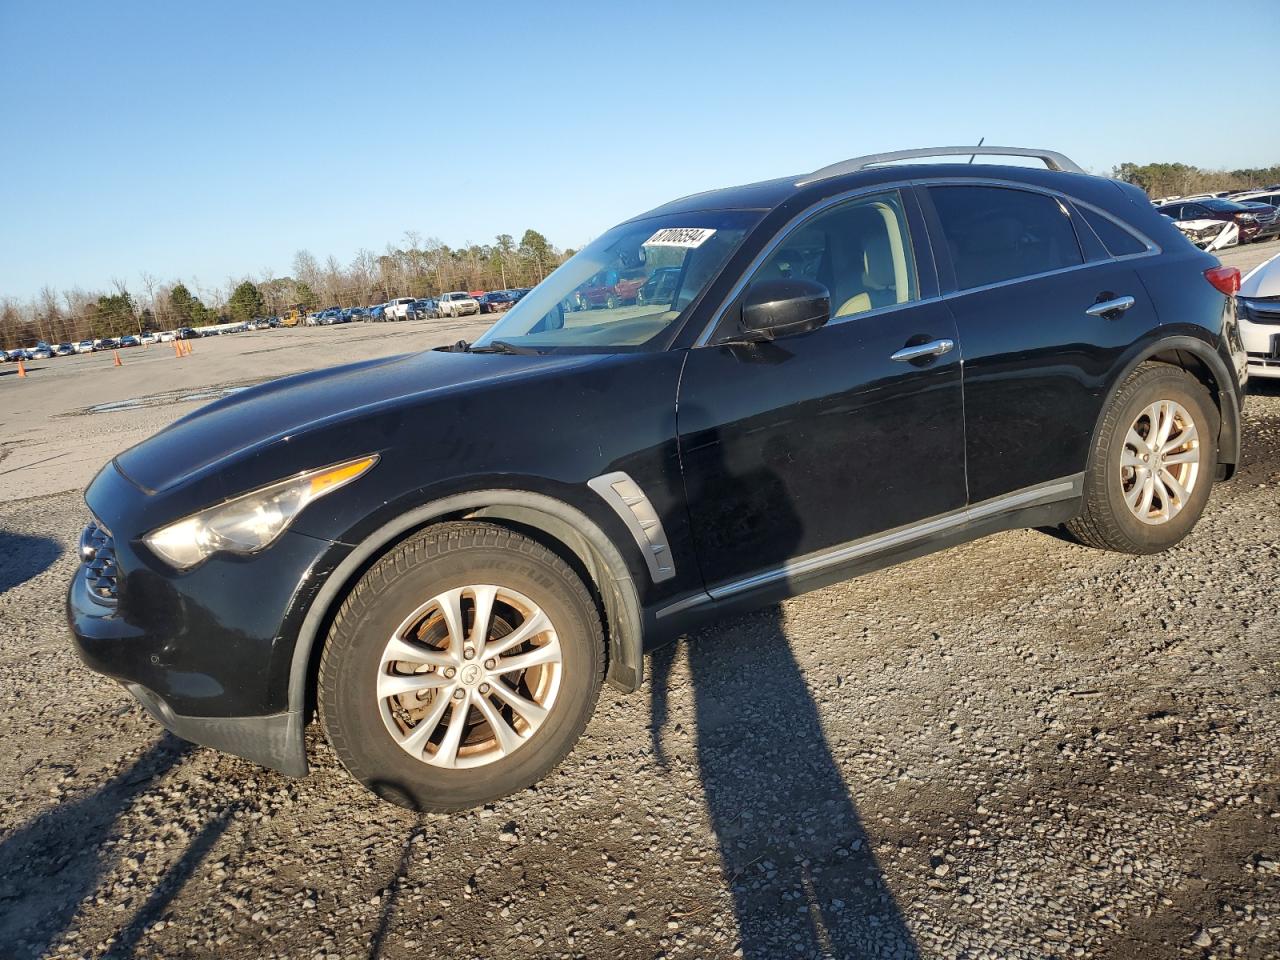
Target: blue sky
{"type": "Point", "coordinates": [213, 140]}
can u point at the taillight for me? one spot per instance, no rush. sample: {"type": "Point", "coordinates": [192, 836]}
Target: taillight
{"type": "Point", "coordinates": [1224, 279]}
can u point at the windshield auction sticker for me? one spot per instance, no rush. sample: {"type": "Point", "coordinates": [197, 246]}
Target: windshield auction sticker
{"type": "Point", "coordinates": [689, 237]}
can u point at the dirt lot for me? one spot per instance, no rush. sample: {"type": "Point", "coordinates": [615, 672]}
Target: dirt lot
{"type": "Point", "coordinates": [1019, 748]}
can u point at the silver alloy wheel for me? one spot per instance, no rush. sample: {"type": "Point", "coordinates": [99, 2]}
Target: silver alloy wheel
{"type": "Point", "coordinates": [469, 676]}
{"type": "Point", "coordinates": [1160, 462]}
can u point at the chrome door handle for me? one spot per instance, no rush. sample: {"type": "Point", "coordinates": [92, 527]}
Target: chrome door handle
{"type": "Point", "coordinates": [1118, 305]}
{"type": "Point", "coordinates": [934, 348]}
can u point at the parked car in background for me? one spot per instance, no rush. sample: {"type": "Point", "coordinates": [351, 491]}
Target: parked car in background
{"type": "Point", "coordinates": [611, 288]}
{"type": "Point", "coordinates": [1259, 309]}
{"type": "Point", "coordinates": [495, 301]}
{"type": "Point", "coordinates": [186, 333]}
{"type": "Point", "coordinates": [399, 308]}
{"type": "Point", "coordinates": [1268, 219]}
{"type": "Point", "coordinates": [425, 308]}
{"type": "Point", "coordinates": [84, 346]}
{"type": "Point", "coordinates": [1268, 195]}
{"type": "Point", "coordinates": [149, 338]}
{"type": "Point", "coordinates": [41, 352]}
{"type": "Point", "coordinates": [130, 341]}
{"type": "Point", "coordinates": [1249, 223]}
{"type": "Point", "coordinates": [4, 356]}
{"type": "Point", "coordinates": [508, 523]}
{"type": "Point", "coordinates": [358, 313]}
{"type": "Point", "coordinates": [63, 350]}
{"type": "Point", "coordinates": [660, 287]}
{"type": "Point", "coordinates": [378, 312]}
{"type": "Point", "coordinates": [458, 303]}
{"type": "Point", "coordinates": [1208, 234]}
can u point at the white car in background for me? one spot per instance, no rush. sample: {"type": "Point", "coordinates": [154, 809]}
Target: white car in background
{"type": "Point", "coordinates": [458, 303]}
{"type": "Point", "coordinates": [401, 308]}
{"type": "Point", "coordinates": [1259, 311]}
{"type": "Point", "coordinates": [84, 346]}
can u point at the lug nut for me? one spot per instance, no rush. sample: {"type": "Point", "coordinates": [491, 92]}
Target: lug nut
{"type": "Point", "coordinates": [449, 672]}
{"type": "Point", "coordinates": [459, 694]}
{"type": "Point", "coordinates": [468, 653]}
{"type": "Point", "coordinates": [490, 663]}
{"type": "Point", "coordinates": [484, 688]}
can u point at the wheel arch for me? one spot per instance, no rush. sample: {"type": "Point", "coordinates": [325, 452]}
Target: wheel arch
{"type": "Point", "coordinates": [1201, 361]}
{"type": "Point", "coordinates": [558, 525]}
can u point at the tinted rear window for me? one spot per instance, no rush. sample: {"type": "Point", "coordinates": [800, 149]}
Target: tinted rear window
{"type": "Point", "coordinates": [1118, 241]}
{"type": "Point", "coordinates": [996, 234]}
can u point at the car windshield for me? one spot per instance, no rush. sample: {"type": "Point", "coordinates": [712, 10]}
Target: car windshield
{"type": "Point", "coordinates": [1222, 206]}
{"type": "Point", "coordinates": [626, 287]}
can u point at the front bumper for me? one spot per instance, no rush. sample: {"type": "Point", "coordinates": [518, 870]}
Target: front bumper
{"type": "Point", "coordinates": [274, 741]}
{"type": "Point", "coordinates": [1260, 331]}
{"type": "Point", "coordinates": [208, 652]}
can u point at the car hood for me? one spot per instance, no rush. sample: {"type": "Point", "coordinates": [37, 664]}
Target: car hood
{"type": "Point", "coordinates": [242, 424]}
{"type": "Point", "coordinates": [1263, 280]}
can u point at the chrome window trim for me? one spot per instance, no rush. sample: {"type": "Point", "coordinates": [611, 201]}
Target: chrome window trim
{"type": "Point", "coordinates": [1051, 491]}
{"type": "Point", "coordinates": [704, 338]}
{"type": "Point", "coordinates": [1151, 245]}
{"type": "Point", "coordinates": [785, 231]}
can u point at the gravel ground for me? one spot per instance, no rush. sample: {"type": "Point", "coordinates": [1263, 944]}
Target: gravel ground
{"type": "Point", "coordinates": [1018, 748]}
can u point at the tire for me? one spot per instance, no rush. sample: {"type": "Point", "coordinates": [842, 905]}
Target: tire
{"type": "Point", "coordinates": [1107, 520]}
{"type": "Point", "coordinates": [358, 717]}
{"type": "Point", "coordinates": [611, 302]}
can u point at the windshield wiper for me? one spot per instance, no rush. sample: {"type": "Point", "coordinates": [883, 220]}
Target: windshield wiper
{"type": "Point", "coordinates": [502, 346]}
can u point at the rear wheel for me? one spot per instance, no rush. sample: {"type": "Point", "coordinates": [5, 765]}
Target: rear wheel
{"type": "Point", "coordinates": [462, 667]}
{"type": "Point", "coordinates": [1152, 465]}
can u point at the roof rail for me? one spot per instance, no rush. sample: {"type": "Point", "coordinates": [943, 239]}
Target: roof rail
{"type": "Point", "coordinates": [1052, 159]}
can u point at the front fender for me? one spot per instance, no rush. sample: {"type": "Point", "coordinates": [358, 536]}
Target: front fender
{"type": "Point", "coordinates": [603, 559]}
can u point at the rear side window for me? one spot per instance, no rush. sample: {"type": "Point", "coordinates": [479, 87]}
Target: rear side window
{"type": "Point", "coordinates": [1118, 241]}
{"type": "Point", "coordinates": [996, 233]}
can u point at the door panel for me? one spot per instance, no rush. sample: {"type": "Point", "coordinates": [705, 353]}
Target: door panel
{"type": "Point", "coordinates": [1037, 369]}
{"type": "Point", "coordinates": [811, 441]}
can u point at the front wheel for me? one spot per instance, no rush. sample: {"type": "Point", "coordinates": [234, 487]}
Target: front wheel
{"type": "Point", "coordinates": [1152, 464]}
{"type": "Point", "coordinates": [462, 667]}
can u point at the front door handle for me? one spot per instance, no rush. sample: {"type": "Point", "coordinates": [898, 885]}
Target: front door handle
{"type": "Point", "coordinates": [1111, 308]}
{"type": "Point", "coordinates": [934, 348]}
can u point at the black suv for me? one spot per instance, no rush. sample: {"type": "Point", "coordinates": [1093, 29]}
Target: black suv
{"type": "Point", "coordinates": [447, 552]}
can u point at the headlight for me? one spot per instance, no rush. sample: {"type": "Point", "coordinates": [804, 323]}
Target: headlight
{"type": "Point", "coordinates": [250, 522]}
{"type": "Point", "coordinates": [1246, 217]}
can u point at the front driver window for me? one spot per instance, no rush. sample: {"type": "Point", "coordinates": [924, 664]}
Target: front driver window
{"type": "Point", "coordinates": [860, 251]}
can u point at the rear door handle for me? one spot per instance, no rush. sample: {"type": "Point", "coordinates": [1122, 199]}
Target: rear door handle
{"type": "Point", "coordinates": [934, 348]}
{"type": "Point", "coordinates": [1117, 306]}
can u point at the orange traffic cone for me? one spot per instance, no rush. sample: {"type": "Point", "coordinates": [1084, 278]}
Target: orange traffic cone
{"type": "Point", "coordinates": [177, 348]}
{"type": "Point", "coordinates": [190, 347]}
{"type": "Point", "coordinates": [117, 362]}
{"type": "Point", "coordinates": [22, 370]}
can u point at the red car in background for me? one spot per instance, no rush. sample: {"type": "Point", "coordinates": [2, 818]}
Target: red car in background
{"type": "Point", "coordinates": [610, 288]}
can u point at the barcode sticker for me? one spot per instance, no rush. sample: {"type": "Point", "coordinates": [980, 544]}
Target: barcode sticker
{"type": "Point", "coordinates": [690, 237]}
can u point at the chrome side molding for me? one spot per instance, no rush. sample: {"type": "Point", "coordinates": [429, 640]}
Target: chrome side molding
{"type": "Point", "coordinates": [630, 503]}
{"type": "Point", "coordinates": [1052, 491]}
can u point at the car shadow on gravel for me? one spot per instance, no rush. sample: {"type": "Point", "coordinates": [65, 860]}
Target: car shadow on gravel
{"type": "Point", "coordinates": [793, 850]}
{"type": "Point", "coordinates": [23, 557]}
{"type": "Point", "coordinates": [54, 863]}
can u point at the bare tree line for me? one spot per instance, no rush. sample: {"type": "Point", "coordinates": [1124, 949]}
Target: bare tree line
{"type": "Point", "coordinates": [416, 267]}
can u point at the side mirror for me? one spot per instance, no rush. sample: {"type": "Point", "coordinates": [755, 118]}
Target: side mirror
{"type": "Point", "coordinates": [781, 308]}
